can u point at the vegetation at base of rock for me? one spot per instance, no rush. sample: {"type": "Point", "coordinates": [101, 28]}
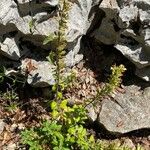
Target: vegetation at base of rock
{"type": "Point", "coordinates": [65, 130]}
{"type": "Point", "coordinates": [114, 81]}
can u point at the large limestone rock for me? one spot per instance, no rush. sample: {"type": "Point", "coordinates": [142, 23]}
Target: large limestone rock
{"type": "Point", "coordinates": [18, 15]}
{"type": "Point", "coordinates": [126, 112]}
{"type": "Point", "coordinates": [126, 25]}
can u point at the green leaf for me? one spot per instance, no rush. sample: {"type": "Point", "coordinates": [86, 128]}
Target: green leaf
{"type": "Point", "coordinates": [53, 105]}
{"type": "Point", "coordinates": [59, 94]}
{"type": "Point", "coordinates": [51, 57]}
{"type": "Point", "coordinates": [55, 114]}
{"type": "Point", "coordinates": [54, 88]}
{"type": "Point", "coordinates": [49, 38]}
{"type": "Point", "coordinates": [63, 104]}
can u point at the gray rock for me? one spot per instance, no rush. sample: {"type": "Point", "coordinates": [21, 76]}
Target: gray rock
{"type": "Point", "coordinates": [92, 115]}
{"type": "Point", "coordinates": [108, 37]}
{"type": "Point", "coordinates": [146, 92]}
{"type": "Point", "coordinates": [77, 25]}
{"type": "Point", "coordinates": [126, 25]}
{"type": "Point", "coordinates": [126, 112]}
{"type": "Point", "coordinates": [2, 126]}
{"type": "Point", "coordinates": [17, 16]}
{"type": "Point", "coordinates": [127, 14]}
{"type": "Point", "coordinates": [40, 73]}
{"type": "Point", "coordinates": [143, 73]}
{"type": "Point", "coordinates": [10, 48]}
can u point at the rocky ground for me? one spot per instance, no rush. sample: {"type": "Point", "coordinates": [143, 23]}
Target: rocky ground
{"type": "Point", "coordinates": [104, 32]}
{"type": "Point", "coordinates": [18, 113]}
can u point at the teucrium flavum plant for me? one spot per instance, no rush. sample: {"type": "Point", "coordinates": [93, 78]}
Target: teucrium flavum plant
{"type": "Point", "coordinates": [114, 81]}
{"type": "Point", "coordinates": [56, 56]}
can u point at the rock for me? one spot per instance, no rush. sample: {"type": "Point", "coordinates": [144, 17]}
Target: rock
{"type": "Point", "coordinates": [126, 112]}
{"type": "Point", "coordinates": [13, 127]}
{"type": "Point", "coordinates": [11, 146]}
{"type": "Point", "coordinates": [2, 125]}
{"type": "Point", "coordinates": [128, 143]}
{"type": "Point", "coordinates": [32, 22]}
{"type": "Point", "coordinates": [108, 37]}
{"type": "Point", "coordinates": [126, 25]}
{"type": "Point", "coordinates": [10, 47]}
{"type": "Point", "coordinates": [18, 15]}
{"type": "Point", "coordinates": [92, 115]}
{"type": "Point", "coordinates": [143, 73]}
{"type": "Point", "coordinates": [146, 92]}
{"type": "Point", "coordinates": [127, 14]}
{"type": "Point", "coordinates": [39, 74]}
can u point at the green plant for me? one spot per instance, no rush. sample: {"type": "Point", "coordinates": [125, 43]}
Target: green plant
{"type": "Point", "coordinates": [10, 95]}
{"type": "Point", "coordinates": [32, 25]}
{"type": "Point", "coordinates": [10, 98]}
{"type": "Point", "coordinates": [14, 78]}
{"type": "Point", "coordinates": [114, 81]}
{"type": "Point", "coordinates": [64, 131]}
{"type": "Point", "coordinates": [56, 56]}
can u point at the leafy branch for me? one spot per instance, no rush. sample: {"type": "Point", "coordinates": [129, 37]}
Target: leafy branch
{"type": "Point", "coordinates": [113, 82]}
{"type": "Point", "coordinates": [56, 56]}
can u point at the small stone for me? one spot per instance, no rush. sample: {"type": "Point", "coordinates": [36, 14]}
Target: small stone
{"type": "Point", "coordinates": [146, 92]}
{"type": "Point", "coordinates": [2, 125]}
{"type": "Point", "coordinates": [11, 146]}
{"type": "Point", "coordinates": [125, 112]}
{"type": "Point", "coordinates": [128, 143]}
{"type": "Point", "coordinates": [13, 127]}
{"type": "Point", "coordinates": [92, 115]}
{"type": "Point", "coordinates": [21, 126]}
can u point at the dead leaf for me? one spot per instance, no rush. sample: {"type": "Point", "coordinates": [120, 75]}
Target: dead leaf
{"type": "Point", "coordinates": [30, 66]}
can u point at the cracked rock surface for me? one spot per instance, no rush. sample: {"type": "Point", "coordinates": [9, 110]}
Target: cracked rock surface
{"type": "Point", "coordinates": [19, 42]}
{"type": "Point", "coordinates": [126, 25]}
{"type": "Point", "coordinates": [126, 112]}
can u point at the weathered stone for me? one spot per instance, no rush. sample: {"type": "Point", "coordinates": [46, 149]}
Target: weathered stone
{"type": "Point", "coordinates": [108, 37]}
{"type": "Point", "coordinates": [126, 112]}
{"type": "Point", "coordinates": [143, 73]}
{"type": "Point", "coordinates": [2, 125]}
{"type": "Point", "coordinates": [10, 146]}
{"type": "Point", "coordinates": [127, 14]}
{"type": "Point", "coordinates": [33, 21]}
{"type": "Point", "coordinates": [92, 115]}
{"type": "Point", "coordinates": [40, 74]}
{"type": "Point", "coordinates": [135, 54]}
{"type": "Point", "coordinates": [45, 23]}
{"type": "Point", "coordinates": [126, 26]}
{"type": "Point", "coordinates": [10, 48]}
